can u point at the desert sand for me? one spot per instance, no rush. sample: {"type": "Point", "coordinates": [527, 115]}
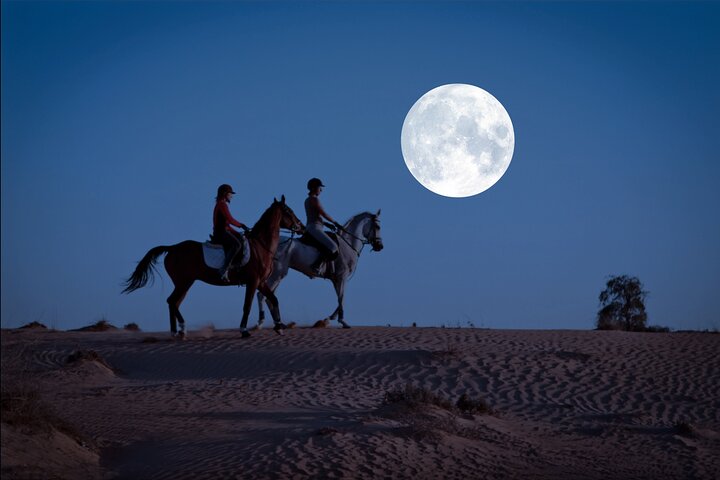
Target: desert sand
{"type": "Point", "coordinates": [312, 404]}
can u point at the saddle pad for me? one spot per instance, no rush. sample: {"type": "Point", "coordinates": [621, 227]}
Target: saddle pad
{"type": "Point", "coordinates": [310, 241]}
{"type": "Point", "coordinates": [215, 255]}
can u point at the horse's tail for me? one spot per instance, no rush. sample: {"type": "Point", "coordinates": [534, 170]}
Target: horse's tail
{"type": "Point", "coordinates": [144, 270]}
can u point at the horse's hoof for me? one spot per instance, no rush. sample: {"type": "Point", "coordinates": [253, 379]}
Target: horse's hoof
{"type": "Point", "coordinates": [245, 334]}
{"type": "Point", "coordinates": [279, 327]}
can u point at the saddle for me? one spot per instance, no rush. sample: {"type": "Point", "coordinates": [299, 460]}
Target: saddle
{"type": "Point", "coordinates": [310, 241]}
{"type": "Point", "coordinates": [327, 266]}
{"type": "Point", "coordinates": [214, 254]}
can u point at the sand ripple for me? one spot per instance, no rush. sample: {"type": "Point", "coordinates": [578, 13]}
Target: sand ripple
{"type": "Point", "coordinates": [579, 404]}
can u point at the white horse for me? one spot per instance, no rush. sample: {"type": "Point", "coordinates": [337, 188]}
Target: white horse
{"type": "Point", "coordinates": [362, 229]}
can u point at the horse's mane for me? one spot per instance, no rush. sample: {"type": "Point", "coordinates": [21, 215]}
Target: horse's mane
{"type": "Point", "coordinates": [358, 217]}
{"type": "Point", "coordinates": [264, 219]}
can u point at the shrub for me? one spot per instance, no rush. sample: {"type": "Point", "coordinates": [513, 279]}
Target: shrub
{"type": "Point", "coordinates": [132, 327]}
{"type": "Point", "coordinates": [657, 329]}
{"type": "Point", "coordinates": [34, 325]}
{"type": "Point", "coordinates": [472, 405]}
{"type": "Point", "coordinates": [684, 429]}
{"type": "Point", "coordinates": [414, 397]}
{"type": "Point", "coordinates": [99, 326]}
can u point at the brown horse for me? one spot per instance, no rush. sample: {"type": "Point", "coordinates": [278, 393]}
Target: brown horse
{"type": "Point", "coordinates": [184, 264]}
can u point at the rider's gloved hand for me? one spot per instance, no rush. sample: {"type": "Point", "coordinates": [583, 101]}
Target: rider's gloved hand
{"type": "Point", "coordinates": [245, 229]}
{"type": "Point", "coordinates": [338, 226]}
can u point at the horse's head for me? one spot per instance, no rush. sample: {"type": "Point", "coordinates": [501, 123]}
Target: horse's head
{"type": "Point", "coordinates": [288, 218]}
{"type": "Point", "coordinates": [371, 232]}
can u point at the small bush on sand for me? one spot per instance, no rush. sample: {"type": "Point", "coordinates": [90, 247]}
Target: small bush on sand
{"type": "Point", "coordinates": [34, 325]}
{"type": "Point", "coordinates": [657, 329]}
{"type": "Point", "coordinates": [99, 326]}
{"type": "Point", "coordinates": [132, 327]}
{"type": "Point", "coordinates": [415, 397]}
{"type": "Point", "coordinates": [322, 324]}
{"type": "Point", "coordinates": [472, 405]}
{"type": "Point", "coordinates": [684, 429]}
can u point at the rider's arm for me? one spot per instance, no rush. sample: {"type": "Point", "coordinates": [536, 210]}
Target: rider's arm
{"type": "Point", "coordinates": [229, 217]}
{"type": "Point", "coordinates": [321, 210]}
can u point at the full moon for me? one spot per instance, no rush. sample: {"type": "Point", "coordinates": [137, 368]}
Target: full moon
{"type": "Point", "coordinates": [457, 140]}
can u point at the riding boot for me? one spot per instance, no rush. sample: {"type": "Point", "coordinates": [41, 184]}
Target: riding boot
{"type": "Point", "coordinates": [225, 270]}
{"type": "Point", "coordinates": [224, 274]}
{"type": "Point", "coordinates": [315, 267]}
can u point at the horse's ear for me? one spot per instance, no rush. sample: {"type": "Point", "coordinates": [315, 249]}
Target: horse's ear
{"type": "Point", "coordinates": [275, 200]}
{"type": "Point", "coordinates": [378, 213]}
{"type": "Point", "coordinates": [283, 199]}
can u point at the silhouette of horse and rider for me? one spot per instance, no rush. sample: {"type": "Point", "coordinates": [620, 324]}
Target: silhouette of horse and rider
{"type": "Point", "coordinates": [251, 257]}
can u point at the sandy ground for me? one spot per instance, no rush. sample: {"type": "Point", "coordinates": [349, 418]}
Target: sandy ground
{"type": "Point", "coordinates": [309, 404]}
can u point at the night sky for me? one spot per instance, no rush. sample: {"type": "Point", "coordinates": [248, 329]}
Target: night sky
{"type": "Point", "coordinates": [120, 120]}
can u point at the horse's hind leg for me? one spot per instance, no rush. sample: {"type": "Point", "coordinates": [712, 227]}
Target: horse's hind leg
{"type": "Point", "coordinates": [174, 301]}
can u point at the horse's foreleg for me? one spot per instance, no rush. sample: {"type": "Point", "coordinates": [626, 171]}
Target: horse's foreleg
{"type": "Point", "coordinates": [274, 307]}
{"type": "Point", "coordinates": [340, 291]}
{"type": "Point", "coordinates": [272, 283]}
{"type": "Point", "coordinates": [333, 314]}
{"type": "Point", "coordinates": [250, 289]}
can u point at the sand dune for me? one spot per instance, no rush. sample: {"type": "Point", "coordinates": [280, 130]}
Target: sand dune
{"type": "Point", "coordinates": [572, 404]}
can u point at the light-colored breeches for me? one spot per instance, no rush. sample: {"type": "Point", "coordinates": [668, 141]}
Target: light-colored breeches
{"type": "Point", "coordinates": [317, 232]}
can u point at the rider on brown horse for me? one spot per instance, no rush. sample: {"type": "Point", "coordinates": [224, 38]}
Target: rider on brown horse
{"type": "Point", "coordinates": [223, 233]}
{"type": "Point", "coordinates": [314, 225]}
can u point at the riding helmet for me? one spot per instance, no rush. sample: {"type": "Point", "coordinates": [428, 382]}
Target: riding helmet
{"type": "Point", "coordinates": [224, 189]}
{"type": "Point", "coordinates": [313, 183]}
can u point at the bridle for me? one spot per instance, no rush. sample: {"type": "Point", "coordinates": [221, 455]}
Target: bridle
{"type": "Point", "coordinates": [363, 240]}
{"type": "Point", "coordinates": [293, 229]}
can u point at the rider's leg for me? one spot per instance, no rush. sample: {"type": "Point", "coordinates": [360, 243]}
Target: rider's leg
{"type": "Point", "coordinates": [231, 245]}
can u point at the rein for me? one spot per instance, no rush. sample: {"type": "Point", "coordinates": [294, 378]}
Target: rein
{"type": "Point", "coordinates": [363, 241]}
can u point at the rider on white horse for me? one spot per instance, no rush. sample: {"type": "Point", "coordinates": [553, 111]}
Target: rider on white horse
{"type": "Point", "coordinates": [315, 226]}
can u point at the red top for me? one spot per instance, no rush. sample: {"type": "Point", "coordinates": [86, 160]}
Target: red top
{"type": "Point", "coordinates": [222, 219]}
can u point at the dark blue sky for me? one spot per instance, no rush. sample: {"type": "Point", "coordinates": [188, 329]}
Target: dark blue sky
{"type": "Point", "coordinates": [119, 121]}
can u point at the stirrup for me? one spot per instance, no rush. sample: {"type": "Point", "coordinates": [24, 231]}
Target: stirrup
{"type": "Point", "coordinates": [225, 277]}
